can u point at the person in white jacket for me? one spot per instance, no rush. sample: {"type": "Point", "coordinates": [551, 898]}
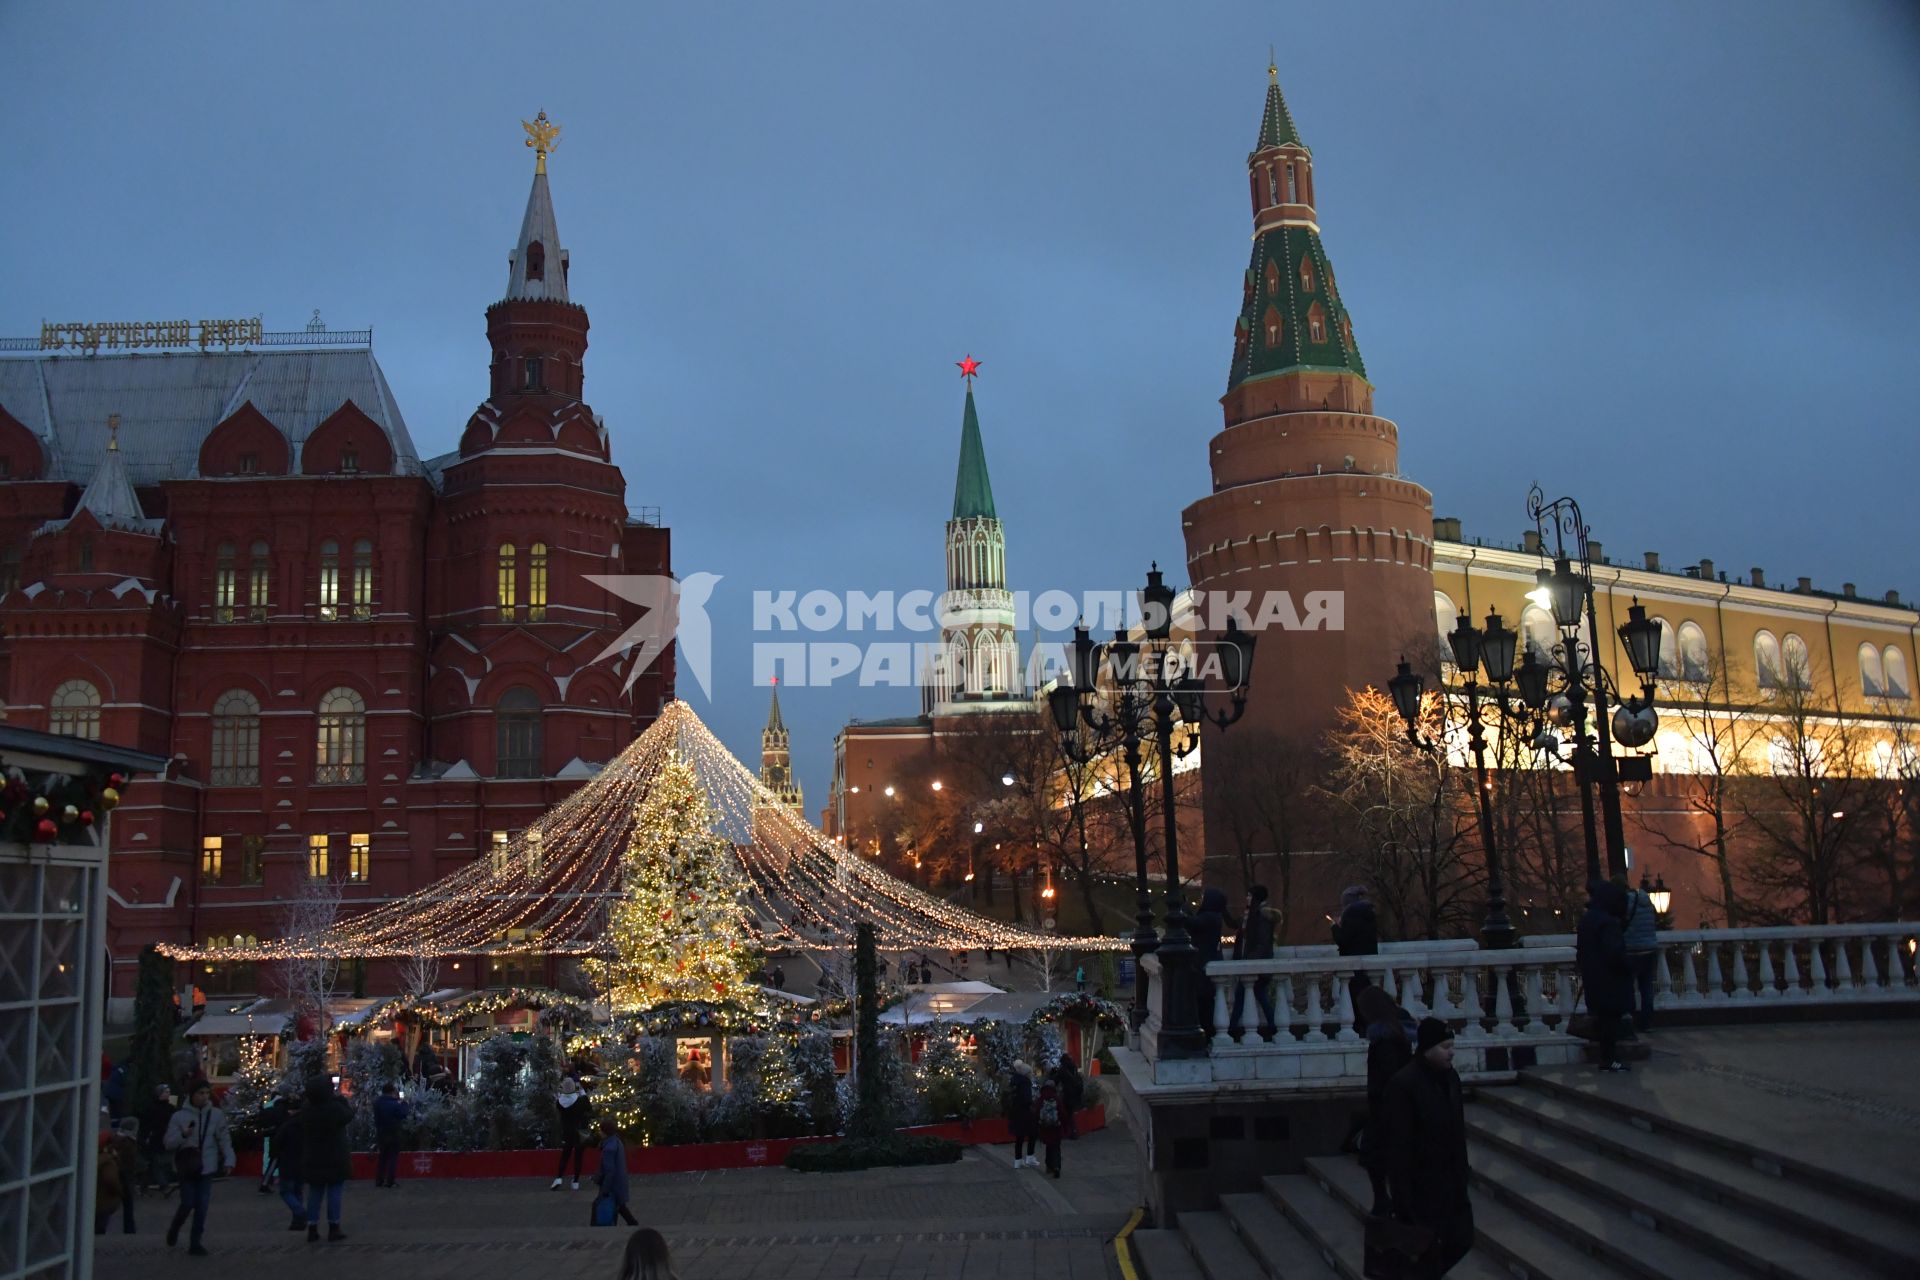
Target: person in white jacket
{"type": "Point", "coordinates": [200, 1129]}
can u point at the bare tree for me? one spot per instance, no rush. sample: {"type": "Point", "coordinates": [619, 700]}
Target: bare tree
{"type": "Point", "coordinates": [309, 981]}
{"type": "Point", "coordinates": [419, 975]}
{"type": "Point", "coordinates": [1259, 794]}
{"type": "Point", "coordinates": [1896, 801]}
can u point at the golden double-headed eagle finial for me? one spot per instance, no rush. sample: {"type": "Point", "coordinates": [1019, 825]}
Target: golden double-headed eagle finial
{"type": "Point", "coordinates": [543, 136]}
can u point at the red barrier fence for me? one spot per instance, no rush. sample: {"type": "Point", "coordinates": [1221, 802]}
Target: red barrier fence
{"type": "Point", "coordinates": [691, 1157]}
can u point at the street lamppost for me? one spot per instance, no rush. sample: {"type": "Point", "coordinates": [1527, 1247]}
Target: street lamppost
{"type": "Point", "coordinates": [1473, 649]}
{"type": "Point", "coordinates": [1148, 697]}
{"type": "Point", "coordinates": [1567, 591]}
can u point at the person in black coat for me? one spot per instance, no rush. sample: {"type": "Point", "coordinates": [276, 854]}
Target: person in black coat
{"type": "Point", "coordinates": [1205, 929]}
{"type": "Point", "coordinates": [286, 1153]}
{"type": "Point", "coordinates": [1605, 972]}
{"type": "Point", "coordinates": [1020, 1119]}
{"type": "Point", "coordinates": [1389, 1049]}
{"type": "Point", "coordinates": [154, 1118]}
{"type": "Point", "coordinates": [1073, 1091]}
{"type": "Point", "coordinates": [1424, 1148]}
{"type": "Point", "coordinates": [1357, 933]}
{"type": "Point", "coordinates": [326, 1158]}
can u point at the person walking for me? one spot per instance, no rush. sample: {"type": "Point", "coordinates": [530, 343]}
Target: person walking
{"type": "Point", "coordinates": [575, 1110]}
{"type": "Point", "coordinates": [154, 1116]}
{"type": "Point", "coordinates": [1080, 977]}
{"type": "Point", "coordinates": [326, 1158]}
{"type": "Point", "coordinates": [612, 1174]}
{"type": "Point", "coordinates": [1604, 973]}
{"type": "Point", "coordinates": [1048, 1124]}
{"type": "Point", "coordinates": [1389, 1048]}
{"type": "Point", "coordinates": [389, 1126]}
{"type": "Point", "coordinates": [1642, 939]}
{"type": "Point", "coordinates": [286, 1150]}
{"type": "Point", "coordinates": [202, 1147]}
{"type": "Point", "coordinates": [1073, 1090]}
{"type": "Point", "coordinates": [1424, 1149]}
{"type": "Point", "coordinates": [1020, 1116]}
{"type": "Point", "coordinates": [646, 1257]}
{"type": "Point", "coordinates": [1255, 942]}
{"type": "Point", "coordinates": [126, 1154]}
{"type": "Point", "coordinates": [1357, 933]}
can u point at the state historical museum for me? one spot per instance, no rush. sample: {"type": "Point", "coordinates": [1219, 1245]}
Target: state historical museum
{"type": "Point", "coordinates": [367, 667]}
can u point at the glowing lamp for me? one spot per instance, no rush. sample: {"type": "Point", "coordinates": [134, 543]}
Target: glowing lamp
{"type": "Point", "coordinates": [936, 784]}
{"type": "Point", "coordinates": [1407, 686]}
{"type": "Point", "coordinates": [1006, 779]}
{"type": "Point", "coordinates": [1660, 896]}
{"type": "Point", "coordinates": [1497, 643]}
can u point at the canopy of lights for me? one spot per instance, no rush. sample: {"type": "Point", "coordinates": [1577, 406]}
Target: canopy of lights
{"type": "Point", "coordinates": [548, 889]}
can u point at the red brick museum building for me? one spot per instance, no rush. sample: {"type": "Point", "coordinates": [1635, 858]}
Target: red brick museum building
{"type": "Point", "coordinates": [364, 665]}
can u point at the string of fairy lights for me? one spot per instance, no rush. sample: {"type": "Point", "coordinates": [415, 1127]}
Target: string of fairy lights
{"type": "Point", "coordinates": [549, 890]}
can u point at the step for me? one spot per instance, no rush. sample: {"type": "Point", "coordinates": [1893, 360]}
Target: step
{"type": "Point", "coordinates": [1219, 1251]}
{"type": "Point", "coordinates": [1585, 1089]}
{"type": "Point", "coordinates": [1627, 1246]}
{"type": "Point", "coordinates": [1529, 1251]}
{"type": "Point", "coordinates": [1758, 1244]}
{"type": "Point", "coordinates": [1335, 1229]}
{"type": "Point", "coordinates": [1162, 1255]}
{"type": "Point", "coordinates": [1865, 1231]}
{"type": "Point", "coordinates": [1272, 1239]}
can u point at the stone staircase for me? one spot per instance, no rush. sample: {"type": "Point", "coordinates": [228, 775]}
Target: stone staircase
{"type": "Point", "coordinates": [1570, 1181]}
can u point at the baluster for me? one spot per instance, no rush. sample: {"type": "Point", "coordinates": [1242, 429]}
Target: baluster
{"type": "Point", "coordinates": [1821, 990]}
{"type": "Point", "coordinates": [1842, 970]}
{"type": "Point", "coordinates": [1769, 989]}
{"type": "Point", "coordinates": [1503, 1004]}
{"type": "Point", "coordinates": [1869, 969]}
{"type": "Point", "coordinates": [1316, 1012]}
{"type": "Point", "coordinates": [1470, 1006]}
{"type": "Point", "coordinates": [1563, 996]}
{"type": "Point", "coordinates": [1662, 978]}
{"type": "Point", "coordinates": [1222, 1036]}
{"type": "Point", "coordinates": [1343, 1006]}
{"type": "Point", "coordinates": [1715, 988]}
{"type": "Point", "coordinates": [1442, 995]}
{"type": "Point", "coordinates": [1283, 1010]}
{"type": "Point", "coordinates": [1741, 990]}
{"type": "Point", "coordinates": [1410, 993]}
{"type": "Point", "coordinates": [1792, 951]}
{"type": "Point", "coordinates": [1536, 1002]}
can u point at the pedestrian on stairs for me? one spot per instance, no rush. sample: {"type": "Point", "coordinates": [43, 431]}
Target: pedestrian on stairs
{"type": "Point", "coordinates": [1389, 1050]}
{"type": "Point", "coordinates": [1424, 1147]}
{"type": "Point", "coordinates": [1604, 971]}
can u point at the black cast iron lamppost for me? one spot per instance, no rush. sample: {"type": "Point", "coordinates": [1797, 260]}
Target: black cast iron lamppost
{"type": "Point", "coordinates": [1567, 590]}
{"type": "Point", "coordinates": [1473, 649]}
{"type": "Point", "coordinates": [1148, 695]}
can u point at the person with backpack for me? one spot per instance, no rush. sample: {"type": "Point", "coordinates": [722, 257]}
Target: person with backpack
{"type": "Point", "coordinates": [1020, 1120]}
{"type": "Point", "coordinates": [612, 1178]}
{"type": "Point", "coordinates": [202, 1147]}
{"type": "Point", "coordinates": [1073, 1090]}
{"type": "Point", "coordinates": [1047, 1123]}
{"type": "Point", "coordinates": [1642, 937]}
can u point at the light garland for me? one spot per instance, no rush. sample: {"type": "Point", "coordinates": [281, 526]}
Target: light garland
{"type": "Point", "coordinates": [556, 890]}
{"type": "Point", "coordinates": [554, 1006]}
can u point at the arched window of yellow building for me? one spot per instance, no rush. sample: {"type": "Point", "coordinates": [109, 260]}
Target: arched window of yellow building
{"type": "Point", "coordinates": [1445, 617]}
{"type": "Point", "coordinates": [1541, 634]}
{"type": "Point", "coordinates": [1873, 676]}
{"type": "Point", "coordinates": [1895, 665]}
{"type": "Point", "coordinates": [1799, 669]}
{"type": "Point", "coordinates": [1693, 653]}
{"type": "Point", "coordinates": [1766, 660]}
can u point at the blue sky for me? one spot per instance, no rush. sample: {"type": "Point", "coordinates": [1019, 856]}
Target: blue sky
{"type": "Point", "coordinates": [1661, 256]}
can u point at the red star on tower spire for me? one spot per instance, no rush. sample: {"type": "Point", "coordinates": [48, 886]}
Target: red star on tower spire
{"type": "Point", "coordinates": [969, 368]}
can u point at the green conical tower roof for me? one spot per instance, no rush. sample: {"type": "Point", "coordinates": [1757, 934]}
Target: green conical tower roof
{"type": "Point", "coordinates": [774, 723]}
{"type": "Point", "coordinates": [1276, 123]}
{"type": "Point", "coordinates": [972, 491]}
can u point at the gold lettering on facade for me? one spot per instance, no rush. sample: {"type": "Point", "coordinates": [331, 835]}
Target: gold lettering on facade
{"type": "Point", "coordinates": [116, 335]}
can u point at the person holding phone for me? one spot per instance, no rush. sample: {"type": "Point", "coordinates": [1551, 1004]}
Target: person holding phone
{"type": "Point", "coordinates": [202, 1148]}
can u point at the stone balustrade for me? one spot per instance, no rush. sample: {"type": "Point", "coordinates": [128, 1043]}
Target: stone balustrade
{"type": "Point", "coordinates": [1792, 964]}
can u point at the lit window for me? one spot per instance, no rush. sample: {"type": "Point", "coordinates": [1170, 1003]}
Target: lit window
{"type": "Point", "coordinates": [317, 857]}
{"type": "Point", "coordinates": [507, 581]}
{"type": "Point", "coordinates": [259, 580]}
{"type": "Point", "coordinates": [1445, 617]}
{"type": "Point", "coordinates": [1766, 660]}
{"type": "Point", "coordinates": [236, 740]}
{"type": "Point", "coordinates": [1669, 651]}
{"type": "Point", "coordinates": [359, 858]}
{"type": "Point", "coordinates": [537, 582]}
{"type": "Point", "coordinates": [363, 579]}
{"type": "Point", "coordinates": [329, 580]}
{"type": "Point", "coordinates": [75, 710]}
{"type": "Point", "coordinates": [210, 859]}
{"type": "Point", "coordinates": [1873, 676]}
{"type": "Point", "coordinates": [1306, 274]}
{"type": "Point", "coordinates": [517, 721]}
{"type": "Point", "coordinates": [1799, 668]}
{"type": "Point", "coordinates": [341, 748]}
{"type": "Point", "coordinates": [498, 853]}
{"type": "Point", "coordinates": [225, 582]}
{"type": "Point", "coordinates": [1896, 669]}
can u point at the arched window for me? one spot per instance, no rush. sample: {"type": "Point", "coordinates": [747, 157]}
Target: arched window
{"type": "Point", "coordinates": [1445, 617]}
{"type": "Point", "coordinates": [1541, 634]}
{"type": "Point", "coordinates": [1766, 660]}
{"type": "Point", "coordinates": [517, 733]}
{"type": "Point", "coordinates": [75, 710]}
{"type": "Point", "coordinates": [340, 753]}
{"type": "Point", "coordinates": [536, 261]}
{"type": "Point", "coordinates": [1895, 663]}
{"type": "Point", "coordinates": [329, 580]}
{"type": "Point", "coordinates": [1316, 324]}
{"type": "Point", "coordinates": [1273, 278]}
{"type": "Point", "coordinates": [1306, 273]}
{"type": "Point", "coordinates": [225, 584]}
{"type": "Point", "coordinates": [537, 583]}
{"type": "Point", "coordinates": [507, 578]}
{"type": "Point", "coordinates": [1693, 653]}
{"type": "Point", "coordinates": [1669, 651]}
{"type": "Point", "coordinates": [236, 740]}
{"type": "Point", "coordinates": [1873, 676]}
{"type": "Point", "coordinates": [1293, 185]}
{"type": "Point", "coordinates": [1799, 670]}
{"type": "Point", "coordinates": [535, 378]}
{"type": "Point", "coordinates": [363, 578]}
{"type": "Point", "coordinates": [259, 581]}
{"type": "Point", "coordinates": [1273, 185]}
{"type": "Point", "coordinates": [1273, 325]}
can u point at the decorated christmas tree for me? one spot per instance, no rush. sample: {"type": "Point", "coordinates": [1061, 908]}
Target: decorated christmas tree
{"type": "Point", "coordinates": [678, 929]}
